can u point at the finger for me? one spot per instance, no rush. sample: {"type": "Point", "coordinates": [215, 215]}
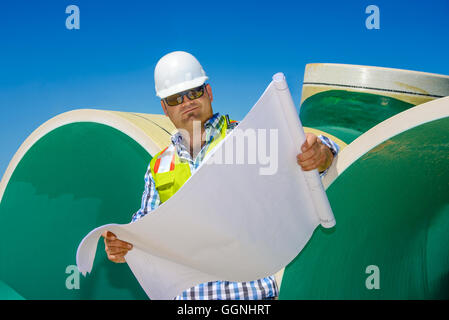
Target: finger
{"type": "Point", "coordinates": [310, 141]}
{"type": "Point", "coordinates": [306, 155]}
{"type": "Point", "coordinates": [108, 235]}
{"type": "Point", "coordinates": [119, 244]}
{"type": "Point", "coordinates": [308, 167]}
{"type": "Point", "coordinates": [310, 164]}
{"type": "Point", "coordinates": [117, 259]}
{"type": "Point", "coordinates": [314, 151]}
{"type": "Point", "coordinates": [116, 251]}
{"type": "Point", "coordinates": [116, 254]}
{"type": "Point", "coordinates": [320, 162]}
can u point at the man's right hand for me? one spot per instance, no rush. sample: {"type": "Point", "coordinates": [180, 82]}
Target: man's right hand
{"type": "Point", "coordinates": [115, 249]}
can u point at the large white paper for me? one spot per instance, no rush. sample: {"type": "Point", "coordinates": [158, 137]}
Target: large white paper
{"type": "Point", "coordinates": [233, 222]}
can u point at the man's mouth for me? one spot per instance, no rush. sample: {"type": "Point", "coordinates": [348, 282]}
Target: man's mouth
{"type": "Point", "coordinates": [190, 109]}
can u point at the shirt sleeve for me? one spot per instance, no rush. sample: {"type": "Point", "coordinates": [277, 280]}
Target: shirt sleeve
{"type": "Point", "coordinates": [150, 197]}
{"type": "Point", "coordinates": [334, 148]}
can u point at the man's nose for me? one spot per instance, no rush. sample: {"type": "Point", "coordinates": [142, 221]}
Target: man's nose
{"type": "Point", "coordinates": [185, 100]}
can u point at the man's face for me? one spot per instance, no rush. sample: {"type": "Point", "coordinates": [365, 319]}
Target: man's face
{"type": "Point", "coordinates": [184, 114]}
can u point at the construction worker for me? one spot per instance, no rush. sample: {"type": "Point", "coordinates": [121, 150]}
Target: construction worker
{"type": "Point", "coordinates": [186, 99]}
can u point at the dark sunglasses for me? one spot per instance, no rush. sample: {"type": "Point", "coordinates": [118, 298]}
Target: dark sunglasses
{"type": "Point", "coordinates": [178, 98]}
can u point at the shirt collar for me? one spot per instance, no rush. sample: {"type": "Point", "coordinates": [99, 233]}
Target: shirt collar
{"type": "Point", "coordinates": [214, 122]}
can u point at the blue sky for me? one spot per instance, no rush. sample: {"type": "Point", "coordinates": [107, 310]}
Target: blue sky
{"type": "Point", "coordinates": [46, 69]}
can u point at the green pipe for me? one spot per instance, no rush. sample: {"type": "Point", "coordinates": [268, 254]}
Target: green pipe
{"type": "Point", "coordinates": [347, 114]}
{"type": "Point", "coordinates": [75, 178]}
{"type": "Point", "coordinates": [392, 212]}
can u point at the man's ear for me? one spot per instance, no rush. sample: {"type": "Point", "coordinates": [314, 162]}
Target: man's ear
{"type": "Point", "coordinates": [164, 107]}
{"type": "Point", "coordinates": [209, 92]}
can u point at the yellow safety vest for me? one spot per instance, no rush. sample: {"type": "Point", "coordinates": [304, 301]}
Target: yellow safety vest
{"type": "Point", "coordinates": [169, 173]}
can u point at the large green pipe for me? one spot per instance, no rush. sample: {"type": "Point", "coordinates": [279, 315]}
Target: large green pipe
{"type": "Point", "coordinates": [389, 192]}
{"type": "Point", "coordinates": [348, 100]}
{"type": "Point", "coordinates": [85, 169]}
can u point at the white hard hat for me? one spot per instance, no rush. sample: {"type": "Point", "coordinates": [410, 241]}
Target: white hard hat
{"type": "Point", "coordinates": [177, 71]}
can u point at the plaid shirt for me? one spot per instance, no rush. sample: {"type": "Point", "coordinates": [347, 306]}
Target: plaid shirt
{"type": "Point", "coordinates": [265, 288]}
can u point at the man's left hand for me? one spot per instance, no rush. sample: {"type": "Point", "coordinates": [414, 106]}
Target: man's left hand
{"type": "Point", "coordinates": [315, 155]}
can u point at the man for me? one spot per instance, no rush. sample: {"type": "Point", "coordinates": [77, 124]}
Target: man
{"type": "Point", "coordinates": [186, 99]}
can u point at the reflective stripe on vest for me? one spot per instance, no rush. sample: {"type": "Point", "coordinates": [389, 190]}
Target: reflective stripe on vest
{"type": "Point", "coordinates": [169, 173]}
{"type": "Point", "coordinates": [166, 160]}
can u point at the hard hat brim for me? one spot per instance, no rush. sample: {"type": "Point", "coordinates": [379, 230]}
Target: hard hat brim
{"type": "Point", "coordinates": [186, 85]}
